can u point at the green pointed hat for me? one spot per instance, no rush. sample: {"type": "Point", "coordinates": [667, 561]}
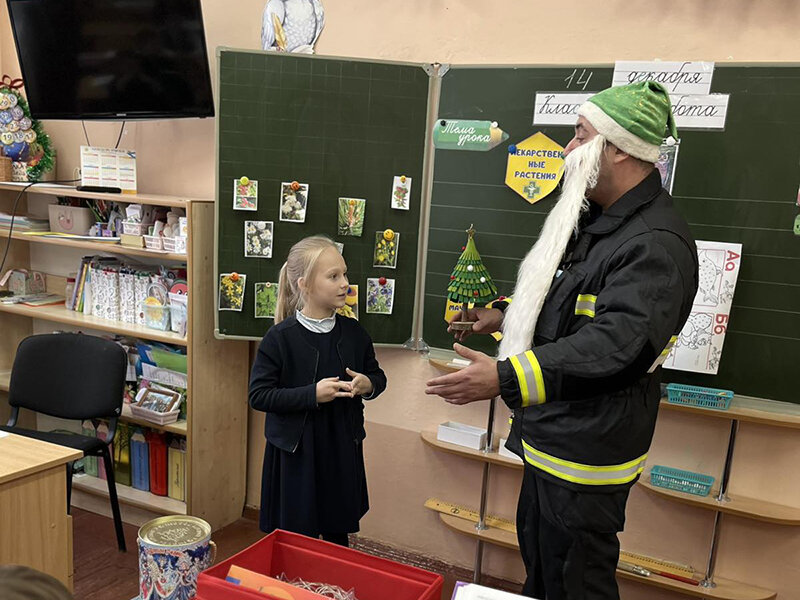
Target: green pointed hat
{"type": "Point", "coordinates": [635, 118]}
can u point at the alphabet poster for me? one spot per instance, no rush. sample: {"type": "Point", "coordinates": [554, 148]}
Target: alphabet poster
{"type": "Point", "coordinates": [699, 346]}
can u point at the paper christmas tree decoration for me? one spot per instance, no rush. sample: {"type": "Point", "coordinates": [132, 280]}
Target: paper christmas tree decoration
{"type": "Point", "coordinates": [470, 282]}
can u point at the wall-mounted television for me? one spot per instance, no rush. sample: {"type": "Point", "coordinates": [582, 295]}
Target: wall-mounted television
{"type": "Point", "coordinates": [112, 59]}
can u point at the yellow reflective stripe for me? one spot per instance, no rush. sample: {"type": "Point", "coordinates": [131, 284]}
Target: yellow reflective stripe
{"type": "Point", "coordinates": [585, 305]}
{"type": "Point", "coordinates": [664, 354]}
{"type": "Point", "coordinates": [521, 379]}
{"type": "Point", "coordinates": [537, 373]}
{"type": "Point", "coordinates": [584, 474]}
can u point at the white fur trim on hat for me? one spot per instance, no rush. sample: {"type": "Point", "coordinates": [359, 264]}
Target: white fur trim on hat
{"type": "Point", "coordinates": [618, 135]}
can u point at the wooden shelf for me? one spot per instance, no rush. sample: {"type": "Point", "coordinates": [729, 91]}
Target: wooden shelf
{"type": "Point", "coordinates": [492, 535]}
{"type": "Point", "coordinates": [70, 191]}
{"type": "Point", "coordinates": [58, 313]}
{"type": "Point", "coordinates": [96, 246]}
{"type": "Point", "coordinates": [163, 505]}
{"type": "Point", "coordinates": [745, 408]}
{"type": "Point", "coordinates": [725, 588]}
{"type": "Point", "coordinates": [429, 437]}
{"type": "Point", "coordinates": [750, 508]}
{"type": "Point", "coordinates": [5, 379]}
{"type": "Point", "coordinates": [178, 427]}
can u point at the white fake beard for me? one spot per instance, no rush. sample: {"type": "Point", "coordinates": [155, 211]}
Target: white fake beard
{"type": "Point", "coordinates": [536, 272]}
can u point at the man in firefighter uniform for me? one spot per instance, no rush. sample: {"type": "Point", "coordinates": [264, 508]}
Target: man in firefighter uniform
{"type": "Point", "coordinates": [598, 304]}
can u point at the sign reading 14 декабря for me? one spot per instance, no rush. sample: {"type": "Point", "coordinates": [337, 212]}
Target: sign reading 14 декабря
{"type": "Point", "coordinates": [535, 167]}
{"type": "Point", "coordinates": [451, 134]}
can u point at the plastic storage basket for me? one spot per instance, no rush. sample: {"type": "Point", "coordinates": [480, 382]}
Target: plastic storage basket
{"type": "Point", "coordinates": [681, 481]}
{"type": "Point", "coordinates": [133, 228]}
{"type": "Point", "coordinates": [701, 397]}
{"type": "Point", "coordinates": [156, 316]}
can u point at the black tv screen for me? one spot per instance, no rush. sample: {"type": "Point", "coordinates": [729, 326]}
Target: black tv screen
{"type": "Point", "coordinates": [112, 59]}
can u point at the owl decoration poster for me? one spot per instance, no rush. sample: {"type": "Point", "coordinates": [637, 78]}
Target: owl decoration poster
{"type": "Point", "coordinates": [292, 25]}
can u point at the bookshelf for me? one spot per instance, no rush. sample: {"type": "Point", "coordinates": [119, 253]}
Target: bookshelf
{"type": "Point", "coordinates": [216, 424]}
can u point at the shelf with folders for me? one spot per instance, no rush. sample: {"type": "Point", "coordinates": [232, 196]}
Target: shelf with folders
{"type": "Point", "coordinates": [215, 427]}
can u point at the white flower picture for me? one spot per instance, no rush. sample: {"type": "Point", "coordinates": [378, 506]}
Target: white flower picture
{"type": "Point", "coordinates": [258, 239]}
{"type": "Point", "coordinates": [294, 201]}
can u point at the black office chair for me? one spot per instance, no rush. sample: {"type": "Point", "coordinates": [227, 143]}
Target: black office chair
{"type": "Point", "coordinates": [71, 376]}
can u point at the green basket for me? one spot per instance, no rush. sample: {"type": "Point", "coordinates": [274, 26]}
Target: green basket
{"type": "Point", "coordinates": [702, 397]}
{"type": "Point", "coordinates": [681, 481]}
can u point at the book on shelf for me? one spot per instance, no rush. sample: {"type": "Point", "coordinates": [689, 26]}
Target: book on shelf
{"type": "Point", "coordinates": [23, 223]}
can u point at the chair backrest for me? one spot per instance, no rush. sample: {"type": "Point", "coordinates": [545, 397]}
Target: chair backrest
{"type": "Point", "coordinates": [69, 375]}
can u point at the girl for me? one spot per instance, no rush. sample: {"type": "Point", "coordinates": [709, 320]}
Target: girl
{"type": "Point", "coordinates": [312, 371]}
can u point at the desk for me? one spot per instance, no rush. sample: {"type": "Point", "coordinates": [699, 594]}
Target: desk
{"type": "Point", "coordinates": [35, 529]}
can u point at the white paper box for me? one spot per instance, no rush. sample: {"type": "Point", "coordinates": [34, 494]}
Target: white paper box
{"type": "Point", "coordinates": [462, 435]}
{"type": "Point", "coordinates": [477, 592]}
{"type": "Point", "coordinates": [503, 451]}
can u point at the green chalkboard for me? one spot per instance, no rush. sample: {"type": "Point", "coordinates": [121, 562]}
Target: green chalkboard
{"type": "Point", "coordinates": [736, 185]}
{"type": "Point", "coordinates": [344, 127]}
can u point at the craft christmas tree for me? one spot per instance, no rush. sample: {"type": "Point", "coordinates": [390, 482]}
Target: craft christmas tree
{"type": "Point", "coordinates": [22, 138]}
{"type": "Point", "coordinates": [470, 282]}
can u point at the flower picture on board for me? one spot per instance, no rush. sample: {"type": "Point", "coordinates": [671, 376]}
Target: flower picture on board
{"type": "Point", "coordinates": [258, 239]}
{"type": "Point", "coordinates": [294, 200]}
{"type": "Point", "coordinates": [245, 194]}
{"type": "Point", "coordinates": [231, 291]}
{"type": "Point", "coordinates": [380, 296]}
{"type": "Point", "coordinates": [266, 300]}
{"type": "Point", "coordinates": [351, 216]}
{"type": "Point", "coordinates": [350, 308]}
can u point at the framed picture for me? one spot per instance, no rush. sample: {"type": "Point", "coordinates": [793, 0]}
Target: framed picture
{"type": "Point", "coordinates": [161, 401]}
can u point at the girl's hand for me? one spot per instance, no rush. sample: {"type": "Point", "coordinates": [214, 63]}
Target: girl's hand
{"type": "Point", "coordinates": [331, 388]}
{"type": "Point", "coordinates": [362, 386]}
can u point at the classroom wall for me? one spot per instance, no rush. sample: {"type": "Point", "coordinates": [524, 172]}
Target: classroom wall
{"type": "Point", "coordinates": [177, 157]}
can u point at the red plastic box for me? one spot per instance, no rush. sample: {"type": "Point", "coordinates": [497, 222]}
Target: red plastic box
{"type": "Point", "coordinates": [313, 560]}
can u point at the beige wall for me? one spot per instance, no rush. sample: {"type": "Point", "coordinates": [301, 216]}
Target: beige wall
{"type": "Point", "coordinates": [178, 157]}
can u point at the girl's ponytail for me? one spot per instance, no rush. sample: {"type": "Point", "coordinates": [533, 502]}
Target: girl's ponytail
{"type": "Point", "coordinates": [287, 298]}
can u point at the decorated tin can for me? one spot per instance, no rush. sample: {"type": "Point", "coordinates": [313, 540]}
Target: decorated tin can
{"type": "Point", "coordinates": [172, 552]}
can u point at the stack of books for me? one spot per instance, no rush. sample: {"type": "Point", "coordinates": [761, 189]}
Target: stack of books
{"type": "Point", "coordinates": [23, 223]}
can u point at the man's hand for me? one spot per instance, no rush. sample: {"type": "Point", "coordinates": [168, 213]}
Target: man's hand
{"type": "Point", "coordinates": [479, 381]}
{"type": "Point", "coordinates": [362, 386]}
{"type": "Point", "coordinates": [487, 320]}
{"type": "Point", "coordinates": [331, 388]}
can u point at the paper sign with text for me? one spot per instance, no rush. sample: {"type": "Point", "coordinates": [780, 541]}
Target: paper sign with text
{"type": "Point", "coordinates": [450, 134]}
{"type": "Point", "coordinates": [558, 108]}
{"type": "Point", "coordinates": [700, 112]}
{"type": "Point", "coordinates": [534, 167]}
{"type": "Point", "coordinates": [679, 77]}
